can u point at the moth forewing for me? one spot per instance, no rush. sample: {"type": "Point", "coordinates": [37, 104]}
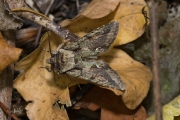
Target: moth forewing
{"type": "Point", "coordinates": [98, 72]}
{"type": "Point", "coordinates": [79, 58]}
{"type": "Point", "coordinates": [98, 40]}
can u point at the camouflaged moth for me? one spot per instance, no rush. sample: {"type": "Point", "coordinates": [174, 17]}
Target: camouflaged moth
{"type": "Point", "coordinates": [80, 58]}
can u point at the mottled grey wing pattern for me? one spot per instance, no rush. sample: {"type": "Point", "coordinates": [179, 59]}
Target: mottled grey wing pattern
{"type": "Point", "coordinates": [101, 74]}
{"type": "Point", "coordinates": [79, 58]}
{"type": "Point", "coordinates": [97, 41]}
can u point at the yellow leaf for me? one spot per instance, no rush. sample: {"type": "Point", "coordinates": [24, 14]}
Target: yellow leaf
{"type": "Point", "coordinates": [170, 110]}
{"type": "Point", "coordinates": [100, 8]}
{"type": "Point", "coordinates": [135, 75]}
{"type": "Point", "coordinates": [131, 20]}
{"type": "Point", "coordinates": [36, 84]}
{"type": "Point", "coordinates": [8, 54]}
{"type": "Point", "coordinates": [128, 13]}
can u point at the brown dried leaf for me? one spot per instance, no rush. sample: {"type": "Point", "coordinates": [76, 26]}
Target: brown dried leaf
{"type": "Point", "coordinates": [135, 75]}
{"type": "Point", "coordinates": [128, 13]}
{"type": "Point", "coordinates": [100, 8]}
{"type": "Point", "coordinates": [8, 54]}
{"type": "Point", "coordinates": [7, 19]}
{"type": "Point", "coordinates": [33, 79]}
{"type": "Point", "coordinates": [36, 84]}
{"type": "Point", "coordinates": [112, 106]}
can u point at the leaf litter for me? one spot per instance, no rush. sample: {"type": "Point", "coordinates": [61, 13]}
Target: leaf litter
{"type": "Point", "coordinates": [8, 54]}
{"type": "Point", "coordinates": [36, 84]}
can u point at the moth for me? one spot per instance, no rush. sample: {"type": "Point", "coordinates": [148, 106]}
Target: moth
{"type": "Point", "coordinates": [80, 58]}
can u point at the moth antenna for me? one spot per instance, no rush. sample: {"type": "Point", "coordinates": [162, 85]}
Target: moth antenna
{"type": "Point", "coordinates": [52, 65]}
{"type": "Point", "coordinates": [49, 45]}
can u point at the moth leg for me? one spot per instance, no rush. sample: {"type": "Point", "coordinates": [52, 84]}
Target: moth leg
{"type": "Point", "coordinates": [61, 45]}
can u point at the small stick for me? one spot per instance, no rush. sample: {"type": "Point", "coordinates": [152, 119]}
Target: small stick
{"type": "Point", "coordinates": [44, 21]}
{"type": "Point", "coordinates": [40, 29]}
{"type": "Point", "coordinates": [7, 111]}
{"type": "Point", "coordinates": [77, 5]}
{"type": "Point", "coordinates": [155, 59]}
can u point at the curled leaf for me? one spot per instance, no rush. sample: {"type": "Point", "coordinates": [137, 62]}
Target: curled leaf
{"type": "Point", "coordinates": [135, 75]}
{"type": "Point", "coordinates": [110, 110]}
{"type": "Point", "coordinates": [100, 8]}
{"type": "Point", "coordinates": [35, 80]}
{"type": "Point", "coordinates": [8, 54]}
{"type": "Point", "coordinates": [128, 13]}
{"type": "Point", "coordinates": [37, 86]}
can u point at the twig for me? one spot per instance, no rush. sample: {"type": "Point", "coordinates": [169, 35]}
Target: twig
{"type": "Point", "coordinates": [66, 34]}
{"type": "Point", "coordinates": [7, 111]}
{"type": "Point", "coordinates": [41, 20]}
{"type": "Point", "coordinates": [40, 28]}
{"type": "Point", "coordinates": [155, 59]}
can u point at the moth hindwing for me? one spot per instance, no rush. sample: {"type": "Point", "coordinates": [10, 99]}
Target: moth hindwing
{"type": "Point", "coordinates": [79, 58]}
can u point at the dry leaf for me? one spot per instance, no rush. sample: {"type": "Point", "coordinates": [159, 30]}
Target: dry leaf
{"type": "Point", "coordinates": [8, 54]}
{"type": "Point", "coordinates": [170, 110]}
{"type": "Point", "coordinates": [35, 81]}
{"type": "Point", "coordinates": [100, 8]}
{"type": "Point", "coordinates": [128, 13]}
{"type": "Point", "coordinates": [135, 75]}
{"type": "Point", "coordinates": [36, 84]}
{"type": "Point", "coordinates": [112, 106]}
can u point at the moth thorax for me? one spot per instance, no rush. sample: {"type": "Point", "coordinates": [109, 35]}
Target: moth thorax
{"type": "Point", "coordinates": [66, 60]}
{"type": "Point", "coordinates": [53, 62]}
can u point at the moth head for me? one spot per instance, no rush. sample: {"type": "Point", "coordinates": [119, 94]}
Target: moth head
{"type": "Point", "coordinates": [53, 61]}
